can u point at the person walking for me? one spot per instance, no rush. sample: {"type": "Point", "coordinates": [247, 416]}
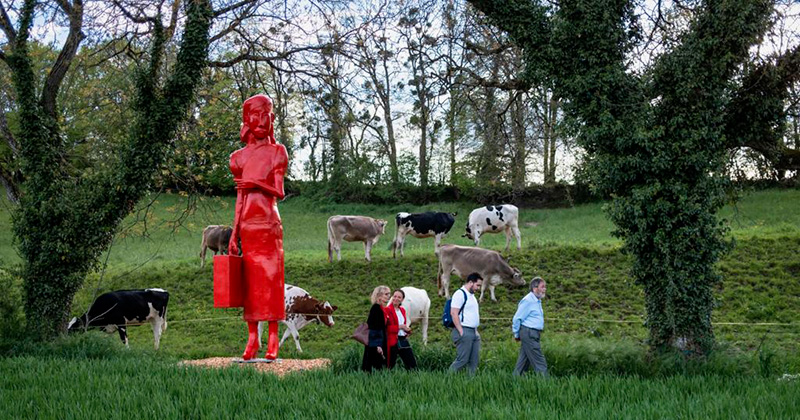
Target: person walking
{"type": "Point", "coordinates": [466, 317]}
{"type": "Point", "coordinates": [527, 326]}
{"type": "Point", "coordinates": [375, 351]}
{"type": "Point", "coordinates": [397, 331]}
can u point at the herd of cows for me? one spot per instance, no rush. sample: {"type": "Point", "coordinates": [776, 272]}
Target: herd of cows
{"type": "Point", "coordinates": [117, 310]}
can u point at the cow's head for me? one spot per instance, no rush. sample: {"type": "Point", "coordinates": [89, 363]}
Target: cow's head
{"type": "Point", "coordinates": [517, 279]}
{"type": "Point", "coordinates": [325, 313]}
{"type": "Point", "coordinates": [468, 234]}
{"type": "Point", "coordinates": [382, 225]}
{"type": "Point", "coordinates": [77, 324]}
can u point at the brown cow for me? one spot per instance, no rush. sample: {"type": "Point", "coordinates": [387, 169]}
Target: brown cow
{"type": "Point", "coordinates": [463, 260]}
{"type": "Point", "coordinates": [353, 229]}
{"type": "Point", "coordinates": [215, 238]}
{"type": "Point", "coordinates": [301, 309]}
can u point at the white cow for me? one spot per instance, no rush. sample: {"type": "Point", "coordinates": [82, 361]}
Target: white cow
{"type": "Point", "coordinates": [494, 219]}
{"type": "Point", "coordinates": [418, 307]}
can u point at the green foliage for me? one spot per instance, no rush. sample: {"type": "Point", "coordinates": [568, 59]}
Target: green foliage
{"type": "Point", "coordinates": [64, 221]}
{"type": "Point", "coordinates": [655, 143]}
{"type": "Point", "coordinates": [11, 312]}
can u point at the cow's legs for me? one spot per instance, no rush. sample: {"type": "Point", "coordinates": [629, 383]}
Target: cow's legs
{"type": "Point", "coordinates": [157, 324]}
{"type": "Point", "coordinates": [367, 249]}
{"type": "Point", "coordinates": [296, 337]}
{"type": "Point", "coordinates": [286, 333]}
{"type": "Point", "coordinates": [483, 288]}
{"type": "Point", "coordinates": [338, 248]}
{"type": "Point", "coordinates": [398, 243]}
{"type": "Point", "coordinates": [519, 237]}
{"type": "Point", "coordinates": [508, 237]}
{"type": "Point", "coordinates": [491, 291]}
{"type": "Point", "coordinates": [425, 327]}
{"type": "Point", "coordinates": [437, 240]}
{"type": "Point", "coordinates": [123, 334]}
{"type": "Point", "coordinates": [445, 285]}
{"type": "Point", "coordinates": [403, 247]}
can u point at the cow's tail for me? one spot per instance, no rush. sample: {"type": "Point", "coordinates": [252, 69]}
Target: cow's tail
{"type": "Point", "coordinates": [330, 238]}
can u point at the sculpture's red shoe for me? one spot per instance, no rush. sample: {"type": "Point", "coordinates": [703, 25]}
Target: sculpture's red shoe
{"type": "Point", "coordinates": [252, 341]}
{"type": "Point", "coordinates": [272, 342]}
{"type": "Point", "coordinates": [251, 350]}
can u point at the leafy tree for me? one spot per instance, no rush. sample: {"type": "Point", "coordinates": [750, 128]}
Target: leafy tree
{"type": "Point", "coordinates": [655, 142]}
{"type": "Point", "coordinates": [66, 218]}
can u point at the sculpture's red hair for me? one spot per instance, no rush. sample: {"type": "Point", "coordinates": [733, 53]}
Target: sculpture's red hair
{"type": "Point", "coordinates": [244, 134]}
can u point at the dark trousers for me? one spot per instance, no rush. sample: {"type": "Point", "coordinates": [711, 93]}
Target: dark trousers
{"type": "Point", "coordinates": [530, 353]}
{"type": "Point", "coordinates": [402, 349]}
{"type": "Point", "coordinates": [372, 360]}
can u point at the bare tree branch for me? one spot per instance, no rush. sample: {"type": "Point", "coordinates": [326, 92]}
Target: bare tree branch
{"type": "Point", "coordinates": [130, 16]}
{"type": "Point", "coordinates": [62, 63]}
{"type": "Point", "coordinates": [6, 26]}
{"type": "Point", "coordinates": [261, 58]}
{"type": "Point", "coordinates": [231, 7]}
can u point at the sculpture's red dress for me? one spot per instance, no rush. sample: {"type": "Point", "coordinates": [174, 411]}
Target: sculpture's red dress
{"type": "Point", "coordinates": [260, 230]}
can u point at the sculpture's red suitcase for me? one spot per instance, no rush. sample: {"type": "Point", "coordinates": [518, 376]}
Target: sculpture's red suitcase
{"type": "Point", "coordinates": [228, 281]}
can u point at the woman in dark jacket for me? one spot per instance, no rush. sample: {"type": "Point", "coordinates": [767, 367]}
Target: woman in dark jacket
{"type": "Point", "coordinates": [375, 351]}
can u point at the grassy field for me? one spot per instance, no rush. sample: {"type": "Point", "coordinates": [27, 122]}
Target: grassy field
{"type": "Point", "coordinates": [594, 326]}
{"type": "Point", "coordinates": [122, 388]}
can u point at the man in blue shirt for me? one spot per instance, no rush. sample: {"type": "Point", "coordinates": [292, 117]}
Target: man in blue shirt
{"type": "Point", "coordinates": [527, 326]}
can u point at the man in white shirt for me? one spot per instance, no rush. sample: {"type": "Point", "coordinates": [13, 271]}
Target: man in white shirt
{"type": "Point", "coordinates": [466, 317]}
{"type": "Point", "coordinates": [527, 326]}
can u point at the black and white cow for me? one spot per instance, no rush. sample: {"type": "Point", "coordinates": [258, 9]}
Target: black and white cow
{"type": "Point", "coordinates": [301, 309]}
{"type": "Point", "coordinates": [421, 225]}
{"type": "Point", "coordinates": [116, 310]}
{"type": "Point", "coordinates": [494, 219]}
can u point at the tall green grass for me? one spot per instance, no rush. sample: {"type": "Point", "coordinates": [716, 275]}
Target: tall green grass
{"type": "Point", "coordinates": [160, 388]}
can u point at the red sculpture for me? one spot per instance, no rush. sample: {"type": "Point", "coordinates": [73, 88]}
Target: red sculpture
{"type": "Point", "coordinates": [258, 170]}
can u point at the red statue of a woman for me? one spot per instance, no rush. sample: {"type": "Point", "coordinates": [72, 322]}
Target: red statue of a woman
{"type": "Point", "coordinates": [258, 170]}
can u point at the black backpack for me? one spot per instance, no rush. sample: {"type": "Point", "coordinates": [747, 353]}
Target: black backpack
{"type": "Point", "coordinates": [447, 320]}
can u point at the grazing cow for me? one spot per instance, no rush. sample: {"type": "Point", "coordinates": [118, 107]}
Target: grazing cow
{"type": "Point", "coordinates": [494, 219]}
{"type": "Point", "coordinates": [215, 238]}
{"type": "Point", "coordinates": [353, 229]}
{"type": "Point", "coordinates": [464, 260]}
{"type": "Point", "coordinates": [421, 225]}
{"type": "Point", "coordinates": [116, 310]}
{"type": "Point", "coordinates": [418, 307]}
{"type": "Point", "coordinates": [301, 310]}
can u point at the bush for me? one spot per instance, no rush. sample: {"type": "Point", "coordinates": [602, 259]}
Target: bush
{"type": "Point", "coordinates": [11, 305]}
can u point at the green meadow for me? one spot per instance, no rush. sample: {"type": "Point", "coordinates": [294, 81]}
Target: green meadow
{"type": "Point", "coordinates": [595, 338]}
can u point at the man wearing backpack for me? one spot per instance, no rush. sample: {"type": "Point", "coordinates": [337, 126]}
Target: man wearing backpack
{"type": "Point", "coordinates": [466, 319]}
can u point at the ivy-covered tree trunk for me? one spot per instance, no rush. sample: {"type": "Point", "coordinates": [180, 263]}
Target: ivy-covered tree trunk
{"type": "Point", "coordinates": [64, 221]}
{"type": "Point", "coordinates": [655, 143]}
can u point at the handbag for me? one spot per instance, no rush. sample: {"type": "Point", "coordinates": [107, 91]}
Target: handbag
{"type": "Point", "coordinates": [361, 334]}
{"type": "Point", "coordinates": [228, 281]}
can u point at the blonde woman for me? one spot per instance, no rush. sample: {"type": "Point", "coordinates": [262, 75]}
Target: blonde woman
{"type": "Point", "coordinates": [375, 351]}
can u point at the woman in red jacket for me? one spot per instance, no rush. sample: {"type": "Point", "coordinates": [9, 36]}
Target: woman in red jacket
{"type": "Point", "coordinates": [397, 331]}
